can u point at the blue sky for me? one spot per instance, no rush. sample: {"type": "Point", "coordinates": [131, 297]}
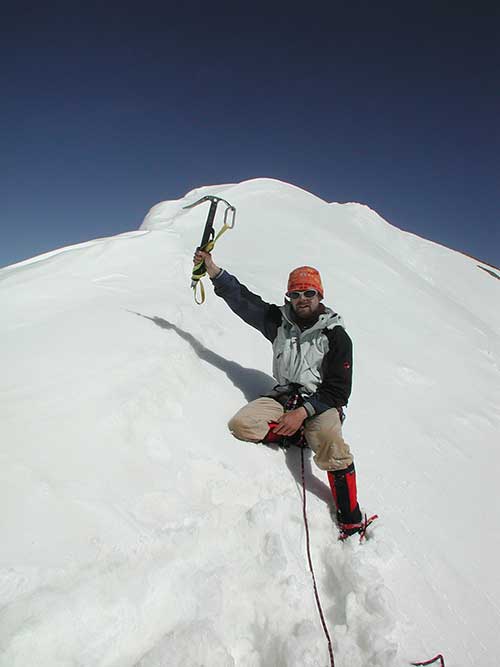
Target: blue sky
{"type": "Point", "coordinates": [107, 111]}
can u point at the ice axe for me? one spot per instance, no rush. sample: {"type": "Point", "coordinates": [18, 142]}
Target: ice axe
{"type": "Point", "coordinates": [209, 238]}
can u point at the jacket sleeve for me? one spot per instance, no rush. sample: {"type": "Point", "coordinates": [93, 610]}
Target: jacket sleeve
{"type": "Point", "coordinates": [335, 389]}
{"type": "Point", "coordinates": [264, 317]}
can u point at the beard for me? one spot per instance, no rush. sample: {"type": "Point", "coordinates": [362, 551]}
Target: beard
{"type": "Point", "coordinates": [306, 313]}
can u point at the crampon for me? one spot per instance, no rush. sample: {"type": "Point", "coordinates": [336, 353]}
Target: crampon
{"type": "Point", "coordinates": [348, 529]}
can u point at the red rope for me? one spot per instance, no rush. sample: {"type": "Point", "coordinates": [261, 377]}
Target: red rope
{"type": "Point", "coordinates": [316, 595]}
{"type": "Point", "coordinates": [429, 662]}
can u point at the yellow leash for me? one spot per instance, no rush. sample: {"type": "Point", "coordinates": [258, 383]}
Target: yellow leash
{"type": "Point", "coordinates": [199, 270]}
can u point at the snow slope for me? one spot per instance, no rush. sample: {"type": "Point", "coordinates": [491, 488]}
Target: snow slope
{"type": "Point", "coordinates": [137, 532]}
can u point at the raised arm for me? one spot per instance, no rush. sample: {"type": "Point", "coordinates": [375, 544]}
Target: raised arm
{"type": "Point", "coordinates": [264, 317]}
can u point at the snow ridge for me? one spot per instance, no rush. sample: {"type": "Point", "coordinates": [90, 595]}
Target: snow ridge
{"type": "Point", "coordinates": [138, 532]}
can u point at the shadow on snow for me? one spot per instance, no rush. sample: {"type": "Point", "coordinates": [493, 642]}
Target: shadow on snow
{"type": "Point", "coordinates": [252, 383]}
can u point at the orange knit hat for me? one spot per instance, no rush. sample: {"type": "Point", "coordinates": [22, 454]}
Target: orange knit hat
{"type": "Point", "coordinates": [305, 277]}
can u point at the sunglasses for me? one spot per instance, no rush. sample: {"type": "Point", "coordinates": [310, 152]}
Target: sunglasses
{"type": "Point", "coordinates": [308, 294]}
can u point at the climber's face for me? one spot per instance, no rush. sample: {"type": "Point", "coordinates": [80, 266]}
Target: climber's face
{"type": "Point", "coordinates": [306, 303]}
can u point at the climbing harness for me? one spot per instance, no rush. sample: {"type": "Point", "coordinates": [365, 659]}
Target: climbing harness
{"type": "Point", "coordinates": [209, 238]}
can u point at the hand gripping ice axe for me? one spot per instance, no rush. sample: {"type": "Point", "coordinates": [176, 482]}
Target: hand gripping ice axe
{"type": "Point", "coordinates": [209, 238]}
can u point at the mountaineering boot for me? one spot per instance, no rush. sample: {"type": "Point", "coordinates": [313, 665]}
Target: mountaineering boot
{"type": "Point", "coordinates": [343, 486]}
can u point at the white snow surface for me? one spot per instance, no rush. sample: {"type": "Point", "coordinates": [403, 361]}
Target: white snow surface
{"type": "Point", "coordinates": [135, 531]}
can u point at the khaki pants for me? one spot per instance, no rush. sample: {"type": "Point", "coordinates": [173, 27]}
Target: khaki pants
{"type": "Point", "coordinates": [323, 433]}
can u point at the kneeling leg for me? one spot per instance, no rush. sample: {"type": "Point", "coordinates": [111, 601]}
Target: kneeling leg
{"type": "Point", "coordinates": [251, 422]}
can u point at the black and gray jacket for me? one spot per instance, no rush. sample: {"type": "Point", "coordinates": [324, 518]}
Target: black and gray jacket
{"type": "Point", "coordinates": [317, 356]}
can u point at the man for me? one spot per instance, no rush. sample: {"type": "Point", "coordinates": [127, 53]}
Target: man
{"type": "Point", "coordinates": [313, 367]}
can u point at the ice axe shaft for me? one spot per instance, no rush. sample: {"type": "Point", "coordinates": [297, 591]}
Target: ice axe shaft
{"type": "Point", "coordinates": [209, 225]}
{"type": "Point", "coordinates": [208, 234]}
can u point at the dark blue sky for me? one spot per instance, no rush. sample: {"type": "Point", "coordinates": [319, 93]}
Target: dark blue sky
{"type": "Point", "coordinates": [106, 111]}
